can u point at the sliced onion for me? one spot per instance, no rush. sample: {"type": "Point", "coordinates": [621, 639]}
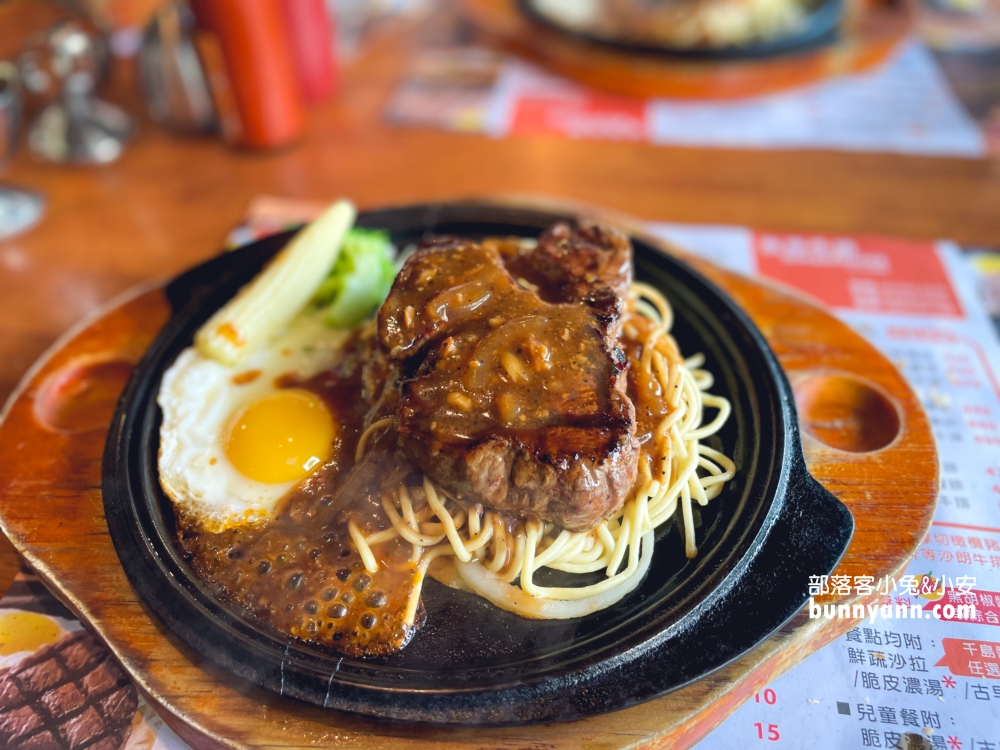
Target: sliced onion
{"type": "Point", "coordinates": [456, 303]}
{"type": "Point", "coordinates": [506, 596]}
{"type": "Point", "coordinates": [496, 343]}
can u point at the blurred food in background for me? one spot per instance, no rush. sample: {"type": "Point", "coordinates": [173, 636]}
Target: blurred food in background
{"type": "Point", "coordinates": [683, 24]}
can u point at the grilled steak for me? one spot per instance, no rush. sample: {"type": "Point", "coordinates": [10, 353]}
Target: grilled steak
{"type": "Point", "coordinates": [590, 263]}
{"type": "Point", "coordinates": [514, 394]}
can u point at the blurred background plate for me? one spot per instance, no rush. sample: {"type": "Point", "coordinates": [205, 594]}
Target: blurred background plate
{"type": "Point", "coordinates": [818, 26]}
{"type": "Point", "coordinates": [866, 37]}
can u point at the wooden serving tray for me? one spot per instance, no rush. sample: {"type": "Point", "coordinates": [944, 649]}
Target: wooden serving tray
{"type": "Point", "coordinates": [877, 455]}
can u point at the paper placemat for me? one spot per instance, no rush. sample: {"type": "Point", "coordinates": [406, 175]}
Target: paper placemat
{"type": "Point", "coordinates": [904, 106]}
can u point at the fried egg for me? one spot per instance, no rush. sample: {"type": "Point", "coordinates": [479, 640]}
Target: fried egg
{"type": "Point", "coordinates": [232, 442]}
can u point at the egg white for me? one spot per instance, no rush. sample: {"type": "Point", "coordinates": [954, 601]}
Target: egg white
{"type": "Point", "coordinates": [198, 398]}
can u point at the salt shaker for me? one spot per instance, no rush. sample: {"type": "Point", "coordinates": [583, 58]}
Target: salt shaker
{"type": "Point", "coordinates": [69, 61]}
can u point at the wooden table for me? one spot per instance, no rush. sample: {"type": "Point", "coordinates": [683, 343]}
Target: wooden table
{"type": "Point", "coordinates": [170, 200]}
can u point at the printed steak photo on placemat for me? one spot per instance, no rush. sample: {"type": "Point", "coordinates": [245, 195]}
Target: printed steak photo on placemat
{"type": "Point", "coordinates": [69, 695]}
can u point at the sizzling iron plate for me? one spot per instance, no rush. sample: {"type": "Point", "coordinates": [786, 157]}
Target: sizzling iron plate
{"type": "Point", "coordinates": [771, 529]}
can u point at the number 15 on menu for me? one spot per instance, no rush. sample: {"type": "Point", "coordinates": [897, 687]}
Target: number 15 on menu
{"type": "Point", "coordinates": [767, 731]}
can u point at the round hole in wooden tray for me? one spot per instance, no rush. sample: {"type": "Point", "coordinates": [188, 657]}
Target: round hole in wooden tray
{"type": "Point", "coordinates": [846, 413]}
{"type": "Point", "coordinates": [79, 397]}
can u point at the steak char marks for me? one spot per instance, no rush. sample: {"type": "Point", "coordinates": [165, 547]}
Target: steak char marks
{"type": "Point", "coordinates": [513, 392]}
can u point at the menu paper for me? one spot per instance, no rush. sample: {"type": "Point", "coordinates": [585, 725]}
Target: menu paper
{"type": "Point", "coordinates": [889, 682]}
{"type": "Point", "coordinates": [894, 682]}
{"type": "Point", "coordinates": [904, 105]}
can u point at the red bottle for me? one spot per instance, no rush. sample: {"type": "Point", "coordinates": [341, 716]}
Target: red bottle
{"type": "Point", "coordinates": [311, 33]}
{"type": "Point", "coordinates": [244, 46]}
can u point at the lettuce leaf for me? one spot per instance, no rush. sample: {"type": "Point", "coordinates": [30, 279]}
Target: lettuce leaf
{"type": "Point", "coordinates": [360, 279]}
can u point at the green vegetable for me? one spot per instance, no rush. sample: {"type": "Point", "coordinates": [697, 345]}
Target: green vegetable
{"type": "Point", "coordinates": [360, 279]}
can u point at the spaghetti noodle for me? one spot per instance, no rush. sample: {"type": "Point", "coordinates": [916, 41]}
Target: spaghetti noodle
{"type": "Point", "coordinates": [498, 558]}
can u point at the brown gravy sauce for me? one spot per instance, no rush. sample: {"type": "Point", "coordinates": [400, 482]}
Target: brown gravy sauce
{"type": "Point", "coordinates": [651, 404]}
{"type": "Point", "coordinates": [299, 574]}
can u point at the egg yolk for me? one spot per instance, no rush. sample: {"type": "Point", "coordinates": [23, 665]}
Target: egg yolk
{"type": "Point", "coordinates": [281, 437]}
